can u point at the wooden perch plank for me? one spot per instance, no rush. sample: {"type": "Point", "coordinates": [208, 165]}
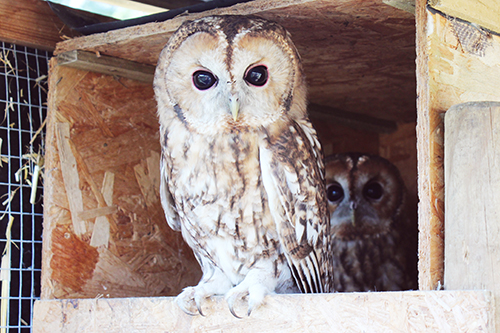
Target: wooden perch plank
{"type": "Point", "coordinates": [431, 311]}
{"type": "Point", "coordinates": [89, 61]}
{"type": "Point", "coordinates": [351, 119]}
{"type": "Point", "coordinates": [484, 13]}
{"type": "Point", "coordinates": [70, 176]}
{"type": "Point", "coordinates": [472, 220]}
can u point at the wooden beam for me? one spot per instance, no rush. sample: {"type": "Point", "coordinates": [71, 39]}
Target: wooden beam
{"type": "Point", "coordinates": [472, 193]}
{"type": "Point", "coordinates": [89, 61]}
{"type": "Point", "coordinates": [31, 23]}
{"type": "Point", "coordinates": [415, 311]}
{"type": "Point", "coordinates": [485, 13]}
{"type": "Point", "coordinates": [351, 119]}
{"type": "Point", "coordinates": [430, 225]}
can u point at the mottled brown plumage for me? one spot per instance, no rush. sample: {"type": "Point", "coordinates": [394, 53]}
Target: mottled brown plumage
{"type": "Point", "coordinates": [242, 171]}
{"type": "Point", "coordinates": [374, 243]}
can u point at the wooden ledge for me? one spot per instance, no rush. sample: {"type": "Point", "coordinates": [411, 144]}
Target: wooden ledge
{"type": "Point", "coordinates": [411, 311]}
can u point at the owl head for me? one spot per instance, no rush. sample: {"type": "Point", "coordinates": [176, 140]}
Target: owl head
{"type": "Point", "coordinates": [366, 195]}
{"type": "Point", "coordinates": [229, 72]}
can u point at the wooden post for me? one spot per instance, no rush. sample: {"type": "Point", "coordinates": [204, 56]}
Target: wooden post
{"type": "Point", "coordinates": [472, 198]}
{"type": "Point", "coordinates": [457, 62]}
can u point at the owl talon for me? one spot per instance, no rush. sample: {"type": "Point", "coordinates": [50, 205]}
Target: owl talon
{"type": "Point", "coordinates": [186, 301]}
{"type": "Point", "coordinates": [231, 309]}
{"type": "Point", "coordinates": [231, 299]}
{"type": "Point", "coordinates": [197, 300]}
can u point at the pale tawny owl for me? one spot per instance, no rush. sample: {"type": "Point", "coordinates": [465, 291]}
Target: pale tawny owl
{"type": "Point", "coordinates": [374, 243]}
{"type": "Point", "coordinates": [242, 170]}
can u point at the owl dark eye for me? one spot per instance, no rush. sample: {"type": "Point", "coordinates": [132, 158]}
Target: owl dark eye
{"type": "Point", "coordinates": [334, 192]}
{"type": "Point", "coordinates": [373, 191]}
{"type": "Point", "coordinates": [257, 76]}
{"type": "Point", "coordinates": [203, 80]}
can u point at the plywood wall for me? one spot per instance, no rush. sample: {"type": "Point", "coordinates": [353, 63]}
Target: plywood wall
{"type": "Point", "coordinates": [336, 138]}
{"type": "Point", "coordinates": [105, 234]}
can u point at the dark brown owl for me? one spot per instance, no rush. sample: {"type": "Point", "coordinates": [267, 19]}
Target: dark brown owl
{"type": "Point", "coordinates": [242, 170]}
{"type": "Point", "coordinates": [374, 244]}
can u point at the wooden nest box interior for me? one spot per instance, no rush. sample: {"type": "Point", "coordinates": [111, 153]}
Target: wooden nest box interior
{"type": "Point", "coordinates": [373, 87]}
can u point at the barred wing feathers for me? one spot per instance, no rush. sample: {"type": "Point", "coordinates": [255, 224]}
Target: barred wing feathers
{"type": "Point", "coordinates": [293, 176]}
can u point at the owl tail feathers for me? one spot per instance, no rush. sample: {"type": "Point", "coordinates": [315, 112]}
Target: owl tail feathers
{"type": "Point", "coordinates": [307, 274]}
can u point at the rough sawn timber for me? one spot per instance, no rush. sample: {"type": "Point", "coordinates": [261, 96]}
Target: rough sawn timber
{"type": "Point", "coordinates": [472, 220]}
{"type": "Point", "coordinates": [430, 311]}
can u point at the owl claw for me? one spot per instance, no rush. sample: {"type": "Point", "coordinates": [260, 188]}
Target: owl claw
{"type": "Point", "coordinates": [187, 302]}
{"type": "Point", "coordinates": [230, 303]}
{"type": "Point", "coordinates": [253, 293]}
{"type": "Point", "coordinates": [197, 300]}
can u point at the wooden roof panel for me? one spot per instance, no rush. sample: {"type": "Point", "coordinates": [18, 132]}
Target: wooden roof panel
{"type": "Point", "coordinates": [359, 56]}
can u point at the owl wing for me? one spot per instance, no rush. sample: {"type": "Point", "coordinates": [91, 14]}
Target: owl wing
{"type": "Point", "coordinates": [293, 177]}
{"type": "Point", "coordinates": [167, 200]}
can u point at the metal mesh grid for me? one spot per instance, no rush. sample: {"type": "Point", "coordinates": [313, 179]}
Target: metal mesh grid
{"type": "Point", "coordinates": [23, 94]}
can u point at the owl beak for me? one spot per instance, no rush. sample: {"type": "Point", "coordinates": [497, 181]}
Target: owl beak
{"type": "Point", "coordinates": [353, 207]}
{"type": "Point", "coordinates": [234, 106]}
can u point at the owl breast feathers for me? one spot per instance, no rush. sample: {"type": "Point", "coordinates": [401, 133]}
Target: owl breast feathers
{"type": "Point", "coordinates": [242, 171]}
{"type": "Point", "coordinates": [374, 243]}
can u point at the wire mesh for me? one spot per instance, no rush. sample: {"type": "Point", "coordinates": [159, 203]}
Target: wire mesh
{"type": "Point", "coordinates": [23, 94]}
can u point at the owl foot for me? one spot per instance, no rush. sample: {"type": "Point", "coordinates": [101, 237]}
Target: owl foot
{"type": "Point", "coordinates": [254, 295]}
{"type": "Point", "coordinates": [191, 298]}
{"type": "Point", "coordinates": [189, 302]}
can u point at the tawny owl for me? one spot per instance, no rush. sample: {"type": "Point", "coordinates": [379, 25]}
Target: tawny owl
{"type": "Point", "coordinates": [242, 170]}
{"type": "Point", "coordinates": [374, 243]}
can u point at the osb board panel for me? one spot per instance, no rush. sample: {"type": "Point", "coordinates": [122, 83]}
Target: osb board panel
{"type": "Point", "coordinates": [443, 311]}
{"type": "Point", "coordinates": [400, 148]}
{"type": "Point", "coordinates": [457, 62]}
{"type": "Point", "coordinates": [104, 230]}
{"type": "Point", "coordinates": [359, 56]}
{"type": "Point", "coordinates": [31, 23]}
